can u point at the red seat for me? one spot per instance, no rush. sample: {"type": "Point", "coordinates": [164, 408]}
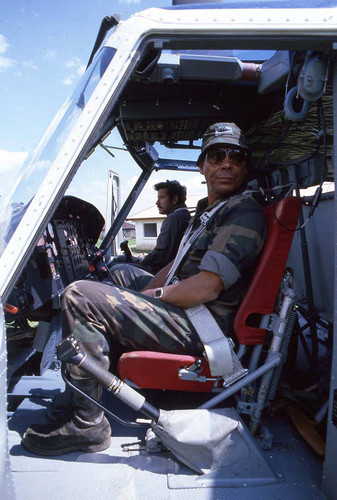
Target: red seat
{"type": "Point", "coordinates": [159, 370]}
{"type": "Point", "coordinates": [155, 370]}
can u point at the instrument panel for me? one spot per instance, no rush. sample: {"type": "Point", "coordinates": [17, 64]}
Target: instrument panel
{"type": "Point", "coordinates": [60, 257]}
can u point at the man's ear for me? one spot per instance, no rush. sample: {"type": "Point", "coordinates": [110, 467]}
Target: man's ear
{"type": "Point", "coordinates": [200, 165]}
{"type": "Point", "coordinates": [175, 199]}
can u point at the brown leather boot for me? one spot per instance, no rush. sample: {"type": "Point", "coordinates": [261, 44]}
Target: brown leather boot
{"type": "Point", "coordinates": [85, 429]}
{"type": "Point", "coordinates": [60, 405]}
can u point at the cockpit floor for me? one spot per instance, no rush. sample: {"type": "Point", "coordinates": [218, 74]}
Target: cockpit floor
{"type": "Point", "coordinates": [135, 474]}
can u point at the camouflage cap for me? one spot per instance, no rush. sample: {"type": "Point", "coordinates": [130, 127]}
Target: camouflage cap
{"type": "Point", "coordinates": [223, 133]}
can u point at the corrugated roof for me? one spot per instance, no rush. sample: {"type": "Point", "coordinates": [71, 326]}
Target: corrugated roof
{"type": "Point", "coordinates": [128, 225]}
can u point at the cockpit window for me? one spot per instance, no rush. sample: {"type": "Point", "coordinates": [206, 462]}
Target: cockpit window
{"type": "Point", "coordinates": [35, 168]}
{"type": "Point", "coordinates": [260, 4]}
{"type": "Point", "coordinates": [257, 56]}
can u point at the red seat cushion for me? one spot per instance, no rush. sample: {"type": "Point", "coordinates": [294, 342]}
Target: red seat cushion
{"type": "Point", "coordinates": [159, 370]}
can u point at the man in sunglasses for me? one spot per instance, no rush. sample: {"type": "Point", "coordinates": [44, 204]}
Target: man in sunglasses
{"type": "Point", "coordinates": [214, 270]}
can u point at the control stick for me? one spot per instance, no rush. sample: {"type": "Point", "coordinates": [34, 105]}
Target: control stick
{"type": "Point", "coordinates": [69, 351]}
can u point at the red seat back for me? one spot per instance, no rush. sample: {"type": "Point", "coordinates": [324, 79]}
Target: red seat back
{"type": "Point", "coordinates": [282, 219]}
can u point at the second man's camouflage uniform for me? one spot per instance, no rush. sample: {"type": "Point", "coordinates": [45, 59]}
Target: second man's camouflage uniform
{"type": "Point", "coordinates": [109, 320]}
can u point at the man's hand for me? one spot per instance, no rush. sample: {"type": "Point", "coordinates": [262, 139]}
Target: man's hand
{"type": "Point", "coordinates": [198, 289]}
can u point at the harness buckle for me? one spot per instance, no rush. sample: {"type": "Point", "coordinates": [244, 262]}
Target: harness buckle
{"type": "Point", "coordinates": [204, 218]}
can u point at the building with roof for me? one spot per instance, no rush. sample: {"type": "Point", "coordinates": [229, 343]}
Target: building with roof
{"type": "Point", "coordinates": [128, 230]}
{"type": "Point", "coordinates": [148, 224]}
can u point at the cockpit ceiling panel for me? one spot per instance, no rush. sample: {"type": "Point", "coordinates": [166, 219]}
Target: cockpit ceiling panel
{"type": "Point", "coordinates": [165, 130]}
{"type": "Point", "coordinates": [179, 115]}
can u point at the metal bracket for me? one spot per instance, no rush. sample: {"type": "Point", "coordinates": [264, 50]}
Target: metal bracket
{"type": "Point", "coordinates": [231, 379]}
{"type": "Point", "coordinates": [245, 407]}
{"type": "Point", "coordinates": [191, 373]}
{"type": "Point", "coordinates": [152, 442]}
{"type": "Point", "coordinates": [265, 438]}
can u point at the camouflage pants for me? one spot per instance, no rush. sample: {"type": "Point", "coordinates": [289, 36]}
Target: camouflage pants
{"type": "Point", "coordinates": [130, 276]}
{"type": "Point", "coordinates": [109, 320]}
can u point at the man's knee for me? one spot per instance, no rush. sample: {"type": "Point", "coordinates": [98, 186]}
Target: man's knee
{"type": "Point", "coordinates": [83, 290]}
{"type": "Point", "coordinates": [130, 276]}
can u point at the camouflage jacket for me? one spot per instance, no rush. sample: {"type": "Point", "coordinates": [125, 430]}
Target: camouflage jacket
{"type": "Point", "coordinates": [228, 246]}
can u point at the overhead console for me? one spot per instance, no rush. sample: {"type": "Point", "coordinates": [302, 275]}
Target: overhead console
{"type": "Point", "coordinates": [182, 92]}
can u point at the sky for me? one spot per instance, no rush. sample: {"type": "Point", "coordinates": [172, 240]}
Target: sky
{"type": "Point", "coordinates": [44, 49]}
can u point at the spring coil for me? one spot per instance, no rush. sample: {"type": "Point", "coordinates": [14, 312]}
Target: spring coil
{"type": "Point", "coordinates": [284, 352]}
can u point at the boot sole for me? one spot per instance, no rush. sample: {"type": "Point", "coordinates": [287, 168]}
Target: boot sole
{"type": "Point", "coordinates": [92, 448]}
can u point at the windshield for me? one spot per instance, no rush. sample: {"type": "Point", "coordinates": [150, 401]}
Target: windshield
{"type": "Point", "coordinates": [35, 168]}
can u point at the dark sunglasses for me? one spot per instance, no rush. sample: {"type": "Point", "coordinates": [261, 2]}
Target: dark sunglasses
{"type": "Point", "coordinates": [236, 156]}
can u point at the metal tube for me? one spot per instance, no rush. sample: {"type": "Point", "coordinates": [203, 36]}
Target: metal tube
{"type": "Point", "coordinates": [69, 351]}
{"type": "Point", "coordinates": [98, 404]}
{"type": "Point", "coordinates": [273, 361]}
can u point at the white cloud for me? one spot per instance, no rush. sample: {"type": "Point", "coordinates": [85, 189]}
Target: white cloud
{"type": "Point", "coordinates": [68, 80]}
{"type": "Point", "coordinates": [73, 62]}
{"type": "Point", "coordinates": [81, 69]}
{"type": "Point", "coordinates": [5, 62]}
{"type": "Point", "coordinates": [76, 64]}
{"type": "Point", "coordinates": [11, 161]}
{"type": "Point", "coordinates": [77, 69]}
{"type": "Point", "coordinates": [3, 44]}
{"type": "Point", "coordinates": [50, 54]}
{"type": "Point", "coordinates": [30, 64]}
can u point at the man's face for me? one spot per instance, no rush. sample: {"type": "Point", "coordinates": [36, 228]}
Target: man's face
{"type": "Point", "coordinates": [164, 204]}
{"type": "Point", "coordinates": [224, 169]}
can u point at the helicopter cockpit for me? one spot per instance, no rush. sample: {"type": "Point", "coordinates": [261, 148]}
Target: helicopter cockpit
{"type": "Point", "coordinates": [152, 94]}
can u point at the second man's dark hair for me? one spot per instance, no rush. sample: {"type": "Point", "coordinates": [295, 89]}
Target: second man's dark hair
{"type": "Point", "coordinates": [173, 188]}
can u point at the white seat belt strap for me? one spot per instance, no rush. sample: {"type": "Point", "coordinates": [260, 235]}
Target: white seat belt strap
{"type": "Point", "coordinates": [221, 358]}
{"type": "Point", "coordinates": [217, 346]}
{"type": "Point", "coordinates": [187, 240]}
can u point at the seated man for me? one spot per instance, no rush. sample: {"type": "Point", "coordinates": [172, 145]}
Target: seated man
{"type": "Point", "coordinates": [216, 270]}
{"type": "Point", "coordinates": [171, 202]}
